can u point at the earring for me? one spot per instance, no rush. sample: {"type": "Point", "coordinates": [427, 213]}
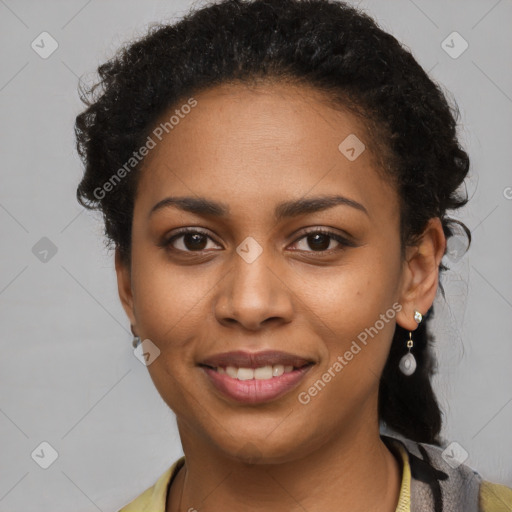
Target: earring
{"type": "Point", "coordinates": [136, 341]}
{"type": "Point", "coordinates": [407, 364]}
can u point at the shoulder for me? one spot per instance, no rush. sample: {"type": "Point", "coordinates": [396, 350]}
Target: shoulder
{"type": "Point", "coordinates": [491, 497]}
{"type": "Point", "coordinates": [153, 499]}
{"type": "Point", "coordinates": [439, 479]}
{"type": "Point", "coordinates": [495, 497]}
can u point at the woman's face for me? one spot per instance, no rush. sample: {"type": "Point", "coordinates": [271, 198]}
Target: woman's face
{"type": "Point", "coordinates": [251, 279]}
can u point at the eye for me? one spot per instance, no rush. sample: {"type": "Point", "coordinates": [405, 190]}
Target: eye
{"type": "Point", "coordinates": [319, 240]}
{"type": "Point", "coordinates": [193, 240]}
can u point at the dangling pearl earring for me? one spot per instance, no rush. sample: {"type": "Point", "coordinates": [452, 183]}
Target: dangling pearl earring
{"type": "Point", "coordinates": [408, 364]}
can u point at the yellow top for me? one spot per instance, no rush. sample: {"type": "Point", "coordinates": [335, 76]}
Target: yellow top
{"type": "Point", "coordinates": [493, 497]}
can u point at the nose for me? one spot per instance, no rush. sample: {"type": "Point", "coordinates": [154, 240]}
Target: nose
{"type": "Point", "coordinates": [254, 294]}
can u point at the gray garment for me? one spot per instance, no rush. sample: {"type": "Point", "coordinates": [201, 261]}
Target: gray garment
{"type": "Point", "coordinates": [436, 486]}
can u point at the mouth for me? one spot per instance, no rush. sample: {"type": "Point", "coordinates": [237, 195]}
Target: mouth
{"type": "Point", "coordinates": [260, 373]}
{"type": "Point", "coordinates": [255, 378]}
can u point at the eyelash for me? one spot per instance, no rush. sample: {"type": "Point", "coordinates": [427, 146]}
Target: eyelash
{"type": "Point", "coordinates": [341, 240]}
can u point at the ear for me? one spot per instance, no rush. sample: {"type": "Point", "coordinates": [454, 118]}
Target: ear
{"type": "Point", "coordinates": [420, 274]}
{"type": "Point", "coordinates": [124, 287]}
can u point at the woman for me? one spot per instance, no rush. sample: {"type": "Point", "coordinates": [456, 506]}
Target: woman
{"type": "Point", "coordinates": [275, 177]}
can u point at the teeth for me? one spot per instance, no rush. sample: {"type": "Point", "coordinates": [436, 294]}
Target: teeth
{"type": "Point", "coordinates": [231, 371]}
{"type": "Point", "coordinates": [265, 372]}
{"type": "Point", "coordinates": [245, 374]}
{"type": "Point", "coordinates": [261, 373]}
{"type": "Point", "coordinates": [277, 370]}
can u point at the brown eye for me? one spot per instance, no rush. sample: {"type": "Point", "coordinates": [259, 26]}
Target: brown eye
{"type": "Point", "coordinates": [320, 240]}
{"type": "Point", "coordinates": [188, 240]}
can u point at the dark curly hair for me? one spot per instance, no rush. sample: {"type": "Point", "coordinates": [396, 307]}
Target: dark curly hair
{"type": "Point", "coordinates": [326, 44]}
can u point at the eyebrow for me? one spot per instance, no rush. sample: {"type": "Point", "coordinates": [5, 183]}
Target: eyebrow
{"type": "Point", "coordinates": [287, 209]}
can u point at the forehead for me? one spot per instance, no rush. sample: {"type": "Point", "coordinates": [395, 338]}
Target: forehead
{"type": "Point", "coordinates": [260, 142]}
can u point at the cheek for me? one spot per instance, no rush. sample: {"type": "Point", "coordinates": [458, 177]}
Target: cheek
{"type": "Point", "coordinates": [355, 319]}
{"type": "Point", "coordinates": [352, 296]}
{"type": "Point", "coordinates": [355, 309]}
{"type": "Point", "coordinates": [169, 299]}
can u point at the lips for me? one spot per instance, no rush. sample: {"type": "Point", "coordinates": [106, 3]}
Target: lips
{"type": "Point", "coordinates": [254, 378]}
{"type": "Point", "coordinates": [241, 359]}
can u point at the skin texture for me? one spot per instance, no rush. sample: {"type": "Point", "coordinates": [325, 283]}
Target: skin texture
{"type": "Point", "coordinates": [252, 148]}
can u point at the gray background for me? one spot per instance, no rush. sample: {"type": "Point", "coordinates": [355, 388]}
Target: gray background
{"type": "Point", "coordinates": [67, 372]}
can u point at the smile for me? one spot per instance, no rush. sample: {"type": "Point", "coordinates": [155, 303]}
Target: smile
{"type": "Point", "coordinates": [261, 373]}
{"type": "Point", "coordinates": [255, 385]}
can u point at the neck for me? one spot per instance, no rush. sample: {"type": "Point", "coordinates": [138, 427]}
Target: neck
{"type": "Point", "coordinates": [356, 472]}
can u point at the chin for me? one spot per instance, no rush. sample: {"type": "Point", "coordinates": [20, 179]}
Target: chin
{"type": "Point", "coordinates": [262, 445]}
